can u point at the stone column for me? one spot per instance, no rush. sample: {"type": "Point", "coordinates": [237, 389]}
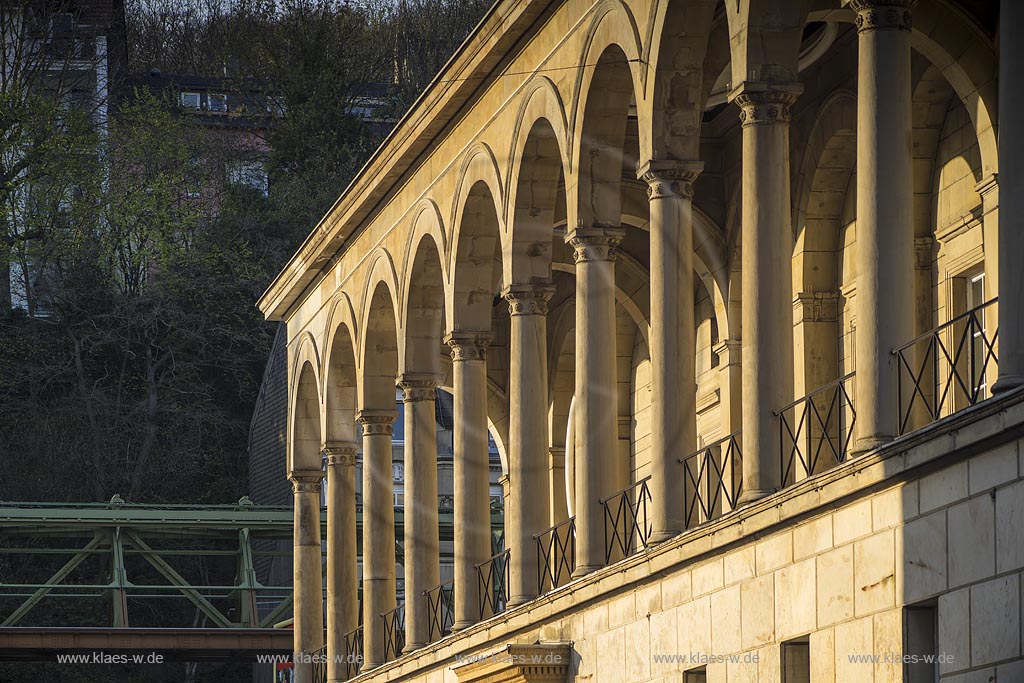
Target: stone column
{"type": "Point", "coordinates": [672, 343]}
{"type": "Point", "coordinates": [342, 568]}
{"type": "Point", "coordinates": [378, 531]}
{"type": "Point", "coordinates": [422, 544]}
{"type": "Point", "coordinates": [472, 519]}
{"type": "Point", "coordinates": [558, 508]}
{"type": "Point", "coordinates": [308, 579]}
{"type": "Point", "coordinates": [595, 410]}
{"type": "Point", "coordinates": [1011, 198]}
{"type": "Point", "coordinates": [767, 253]}
{"type": "Point", "coordinates": [527, 513]}
{"type": "Point", "coordinates": [885, 203]}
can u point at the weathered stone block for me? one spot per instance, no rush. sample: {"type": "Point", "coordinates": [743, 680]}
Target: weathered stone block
{"type": "Point", "coordinates": [874, 573]}
{"type": "Point", "coordinates": [1010, 527]}
{"type": "Point", "coordinates": [995, 620]}
{"type": "Point", "coordinates": [823, 656]}
{"type": "Point", "coordinates": [893, 507]}
{"type": "Point", "coordinates": [812, 537]}
{"type": "Point", "coordinates": [851, 522]}
{"type": "Point", "coordinates": [996, 467]}
{"type": "Point", "coordinates": [971, 540]}
{"type": "Point", "coordinates": [834, 579]}
{"type": "Point", "coordinates": [739, 565]}
{"type": "Point", "coordinates": [757, 598]}
{"type": "Point", "coordinates": [707, 577]}
{"type": "Point", "coordinates": [725, 621]}
{"type": "Point", "coordinates": [943, 487]}
{"type": "Point", "coordinates": [853, 638]}
{"type": "Point", "coordinates": [921, 558]}
{"type": "Point", "coordinates": [795, 600]}
{"type": "Point", "coordinates": [774, 552]}
{"type": "Point", "coordinates": [954, 630]}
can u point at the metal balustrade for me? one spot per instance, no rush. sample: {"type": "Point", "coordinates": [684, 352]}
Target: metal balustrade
{"type": "Point", "coordinates": [712, 480]}
{"type": "Point", "coordinates": [493, 584]}
{"type": "Point", "coordinates": [627, 527]}
{"type": "Point", "coordinates": [353, 652]}
{"type": "Point", "coordinates": [320, 665]}
{"type": "Point", "coordinates": [815, 432]}
{"type": "Point", "coordinates": [440, 610]}
{"type": "Point", "coordinates": [556, 555]}
{"type": "Point", "coordinates": [394, 632]}
{"type": "Point", "coordinates": [946, 369]}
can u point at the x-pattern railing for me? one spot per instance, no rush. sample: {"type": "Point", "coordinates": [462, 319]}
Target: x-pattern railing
{"type": "Point", "coordinates": [712, 480]}
{"type": "Point", "coordinates": [440, 609]}
{"type": "Point", "coordinates": [815, 432]}
{"type": "Point", "coordinates": [556, 555]}
{"type": "Point", "coordinates": [353, 652]}
{"type": "Point", "coordinates": [320, 665]}
{"type": "Point", "coordinates": [946, 369]}
{"type": "Point", "coordinates": [627, 527]}
{"type": "Point", "coordinates": [394, 632]}
{"type": "Point", "coordinates": [493, 584]}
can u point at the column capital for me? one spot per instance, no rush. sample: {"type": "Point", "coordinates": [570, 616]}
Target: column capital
{"type": "Point", "coordinates": [765, 103]}
{"type": "Point", "coordinates": [668, 178]}
{"type": "Point", "coordinates": [594, 244]}
{"type": "Point", "coordinates": [883, 15]}
{"type": "Point", "coordinates": [528, 299]}
{"type": "Point", "coordinates": [467, 345]}
{"type": "Point", "coordinates": [924, 252]}
{"type": "Point", "coordinates": [418, 387]}
{"type": "Point", "coordinates": [341, 453]}
{"type": "Point", "coordinates": [815, 307]}
{"type": "Point", "coordinates": [728, 351]}
{"type": "Point", "coordinates": [306, 481]}
{"type": "Point", "coordinates": [376, 421]}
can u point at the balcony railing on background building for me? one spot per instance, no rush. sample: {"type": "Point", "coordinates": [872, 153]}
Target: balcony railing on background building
{"type": "Point", "coordinates": [627, 527]}
{"type": "Point", "coordinates": [353, 652]}
{"type": "Point", "coordinates": [394, 632]}
{"type": "Point", "coordinates": [815, 432]}
{"type": "Point", "coordinates": [712, 480]}
{"type": "Point", "coordinates": [440, 610]}
{"type": "Point", "coordinates": [947, 369]}
{"type": "Point", "coordinates": [556, 555]}
{"type": "Point", "coordinates": [492, 584]}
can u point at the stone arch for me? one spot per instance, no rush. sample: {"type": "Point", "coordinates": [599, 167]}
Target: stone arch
{"type": "Point", "coordinates": [677, 49]}
{"type": "Point", "coordinates": [304, 433]}
{"type": "Point", "coordinates": [612, 68]}
{"type": "Point", "coordinates": [538, 162]}
{"type": "Point", "coordinates": [765, 36]}
{"type": "Point", "coordinates": [424, 307]}
{"type": "Point", "coordinates": [475, 267]}
{"type": "Point", "coordinates": [340, 372]}
{"type": "Point", "coordinates": [380, 351]}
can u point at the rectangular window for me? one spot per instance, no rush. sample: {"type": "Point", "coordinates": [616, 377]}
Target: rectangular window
{"type": "Point", "coordinates": [696, 676]}
{"type": "Point", "coordinates": [920, 635]}
{"type": "Point", "coordinates": [190, 100]}
{"type": "Point", "coordinates": [218, 102]}
{"type": "Point", "coordinates": [796, 662]}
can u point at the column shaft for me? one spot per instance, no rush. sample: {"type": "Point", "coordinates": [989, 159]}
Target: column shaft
{"type": "Point", "coordinates": [595, 410]}
{"type": "Point", "coordinates": [1011, 198]}
{"type": "Point", "coordinates": [422, 541]}
{"type": "Point", "coordinates": [378, 532]}
{"type": "Point", "coordinates": [342, 568]}
{"type": "Point", "coordinates": [308, 586]}
{"type": "Point", "coordinates": [472, 471]}
{"type": "Point", "coordinates": [885, 202]}
{"type": "Point", "coordinates": [767, 252]}
{"type": "Point", "coordinates": [526, 510]}
{"type": "Point", "coordinates": [672, 343]}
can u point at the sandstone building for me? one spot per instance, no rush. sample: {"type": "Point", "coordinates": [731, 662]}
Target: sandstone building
{"type": "Point", "coordinates": [720, 278]}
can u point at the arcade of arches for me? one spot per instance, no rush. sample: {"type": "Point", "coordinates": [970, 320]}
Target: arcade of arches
{"type": "Point", "coordinates": [624, 232]}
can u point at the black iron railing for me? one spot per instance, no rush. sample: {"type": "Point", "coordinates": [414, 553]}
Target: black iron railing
{"type": "Point", "coordinates": [815, 432]}
{"type": "Point", "coordinates": [319, 659]}
{"type": "Point", "coordinates": [353, 652]}
{"type": "Point", "coordinates": [492, 584]}
{"type": "Point", "coordinates": [440, 610]}
{"type": "Point", "coordinates": [394, 632]}
{"type": "Point", "coordinates": [627, 527]}
{"type": "Point", "coordinates": [712, 480]}
{"type": "Point", "coordinates": [947, 369]}
{"type": "Point", "coordinates": [556, 555]}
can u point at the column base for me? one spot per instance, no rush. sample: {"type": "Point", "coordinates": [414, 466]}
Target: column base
{"type": "Point", "coordinates": [750, 495]}
{"type": "Point", "coordinates": [1007, 383]}
{"type": "Point", "coordinates": [869, 443]}
{"type": "Point", "coordinates": [367, 666]}
{"type": "Point", "coordinates": [462, 625]}
{"type": "Point", "coordinates": [583, 570]}
{"type": "Point", "coordinates": [517, 600]}
{"type": "Point", "coordinates": [662, 536]}
{"type": "Point", "coordinates": [412, 647]}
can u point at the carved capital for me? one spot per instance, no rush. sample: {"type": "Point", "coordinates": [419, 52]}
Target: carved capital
{"type": "Point", "coordinates": [528, 299]}
{"type": "Point", "coordinates": [340, 453]}
{"type": "Point", "coordinates": [595, 244]}
{"type": "Point", "coordinates": [883, 15]}
{"type": "Point", "coordinates": [418, 388]}
{"type": "Point", "coordinates": [376, 422]}
{"type": "Point", "coordinates": [306, 481]}
{"type": "Point", "coordinates": [924, 252]}
{"type": "Point", "coordinates": [468, 345]}
{"type": "Point", "coordinates": [670, 179]}
{"type": "Point", "coordinates": [764, 104]}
